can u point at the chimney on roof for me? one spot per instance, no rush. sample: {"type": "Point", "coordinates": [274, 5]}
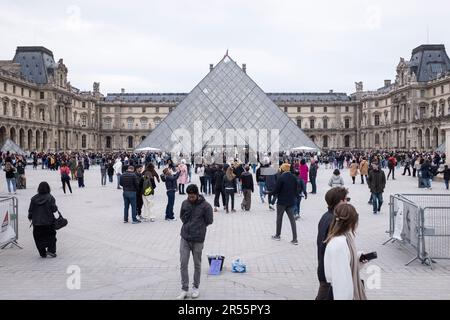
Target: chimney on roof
{"type": "Point", "coordinates": [244, 67]}
{"type": "Point", "coordinates": [387, 83]}
{"type": "Point", "coordinates": [211, 66]}
{"type": "Point", "coordinates": [331, 91]}
{"type": "Point", "coordinates": [122, 90]}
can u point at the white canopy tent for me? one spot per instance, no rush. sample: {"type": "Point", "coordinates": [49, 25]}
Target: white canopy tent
{"type": "Point", "coordinates": [148, 149]}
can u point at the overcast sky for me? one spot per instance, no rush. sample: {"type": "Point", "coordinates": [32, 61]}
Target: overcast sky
{"type": "Point", "coordinates": [167, 46]}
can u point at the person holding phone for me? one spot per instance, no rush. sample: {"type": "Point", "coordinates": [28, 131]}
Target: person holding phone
{"type": "Point", "coordinates": [341, 261]}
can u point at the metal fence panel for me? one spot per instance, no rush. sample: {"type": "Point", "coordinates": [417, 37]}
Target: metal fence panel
{"type": "Point", "coordinates": [9, 215]}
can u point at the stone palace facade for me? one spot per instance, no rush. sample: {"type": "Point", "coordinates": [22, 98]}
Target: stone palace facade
{"type": "Point", "coordinates": [40, 110]}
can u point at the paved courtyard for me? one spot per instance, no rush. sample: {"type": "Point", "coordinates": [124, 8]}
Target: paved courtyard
{"type": "Point", "coordinates": [125, 261]}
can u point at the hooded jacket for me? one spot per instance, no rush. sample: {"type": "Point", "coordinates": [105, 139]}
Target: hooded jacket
{"type": "Point", "coordinates": [195, 217]}
{"type": "Point", "coordinates": [41, 210]}
{"type": "Point", "coordinates": [247, 181]}
{"type": "Point", "coordinates": [376, 181]}
{"type": "Point", "coordinates": [336, 181]}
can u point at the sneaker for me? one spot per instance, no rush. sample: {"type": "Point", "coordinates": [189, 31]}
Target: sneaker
{"type": "Point", "coordinates": [232, 210]}
{"type": "Point", "coordinates": [51, 254]}
{"type": "Point", "coordinates": [136, 222]}
{"type": "Point", "coordinates": [215, 209]}
{"type": "Point", "coordinates": [183, 295]}
{"type": "Point", "coordinates": [125, 221]}
{"type": "Point", "coordinates": [271, 208]}
{"type": "Point", "coordinates": [294, 242]}
{"type": "Point", "coordinates": [171, 219]}
{"type": "Point", "coordinates": [152, 220]}
{"type": "Point", "coordinates": [374, 212]}
{"type": "Point", "coordinates": [297, 216]}
{"type": "Point", "coordinates": [277, 238]}
{"type": "Point", "coordinates": [195, 293]}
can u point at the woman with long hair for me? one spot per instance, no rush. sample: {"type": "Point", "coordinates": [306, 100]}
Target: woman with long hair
{"type": "Point", "coordinates": [149, 184]}
{"type": "Point", "coordinates": [341, 260]}
{"type": "Point", "coordinates": [229, 184]}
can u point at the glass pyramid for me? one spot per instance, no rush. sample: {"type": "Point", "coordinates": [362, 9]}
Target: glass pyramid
{"type": "Point", "coordinates": [12, 147]}
{"type": "Point", "coordinates": [226, 110]}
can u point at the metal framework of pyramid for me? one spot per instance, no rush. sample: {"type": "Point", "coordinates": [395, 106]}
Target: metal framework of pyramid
{"type": "Point", "coordinates": [225, 99]}
{"type": "Point", "coordinates": [12, 147]}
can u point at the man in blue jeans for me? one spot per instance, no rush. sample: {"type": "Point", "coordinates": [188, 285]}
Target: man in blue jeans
{"type": "Point", "coordinates": [130, 184]}
{"type": "Point", "coordinates": [377, 182]}
{"type": "Point", "coordinates": [170, 180]}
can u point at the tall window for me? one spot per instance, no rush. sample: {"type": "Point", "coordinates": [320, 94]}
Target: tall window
{"type": "Point", "coordinates": [298, 109]}
{"type": "Point", "coordinates": [29, 93]}
{"type": "Point", "coordinates": [285, 109]}
{"type": "Point", "coordinates": [377, 138]}
{"type": "Point", "coordinates": [83, 120]}
{"type": "Point", "coordinates": [143, 109]}
{"type": "Point", "coordinates": [312, 109]}
{"type": "Point", "coordinates": [83, 141]}
{"type": "Point", "coordinates": [130, 142]}
{"type": "Point", "coordinates": [144, 122]}
{"type": "Point", "coordinates": [130, 122]}
{"type": "Point", "coordinates": [347, 123]}
{"type": "Point", "coordinates": [170, 109]}
{"type": "Point", "coordinates": [434, 91]}
{"type": "Point", "coordinates": [21, 91]}
{"type": "Point", "coordinates": [30, 112]}
{"type": "Point", "coordinates": [22, 112]}
{"type": "Point", "coordinates": [5, 108]}
{"type": "Point", "coordinates": [107, 123]}
{"type": "Point", "coordinates": [14, 108]}
{"type": "Point", "coordinates": [41, 95]}
{"type": "Point", "coordinates": [377, 119]}
{"type": "Point", "coordinates": [5, 86]}
{"type": "Point", "coordinates": [299, 122]}
{"type": "Point", "coordinates": [325, 142]}
{"type": "Point", "coordinates": [83, 104]}
{"type": "Point", "coordinates": [14, 89]}
{"type": "Point", "coordinates": [422, 112]}
{"type": "Point", "coordinates": [157, 110]}
{"type": "Point", "coordinates": [311, 123]}
{"type": "Point", "coordinates": [346, 108]}
{"type": "Point", "coordinates": [325, 109]}
{"type": "Point", "coordinates": [442, 89]}
{"type": "Point", "coordinates": [157, 121]}
{"type": "Point", "coordinates": [325, 123]}
{"type": "Point", "coordinates": [108, 142]}
{"type": "Point", "coordinates": [422, 93]}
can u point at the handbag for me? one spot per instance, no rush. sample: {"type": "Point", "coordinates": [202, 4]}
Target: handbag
{"type": "Point", "coordinates": [60, 222]}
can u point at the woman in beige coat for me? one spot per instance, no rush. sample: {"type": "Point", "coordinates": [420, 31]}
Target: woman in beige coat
{"type": "Point", "coordinates": [364, 169]}
{"type": "Point", "coordinates": [353, 170]}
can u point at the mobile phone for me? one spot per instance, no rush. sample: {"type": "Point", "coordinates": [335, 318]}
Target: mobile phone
{"type": "Point", "coordinates": [368, 256]}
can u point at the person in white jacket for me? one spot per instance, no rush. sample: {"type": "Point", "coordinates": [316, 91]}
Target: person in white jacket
{"type": "Point", "coordinates": [118, 171]}
{"type": "Point", "coordinates": [336, 180]}
{"type": "Point", "coordinates": [341, 260]}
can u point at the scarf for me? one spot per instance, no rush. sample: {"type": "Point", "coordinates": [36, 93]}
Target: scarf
{"type": "Point", "coordinates": [358, 286]}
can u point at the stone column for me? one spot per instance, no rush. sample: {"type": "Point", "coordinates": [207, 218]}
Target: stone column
{"type": "Point", "coordinates": [446, 127]}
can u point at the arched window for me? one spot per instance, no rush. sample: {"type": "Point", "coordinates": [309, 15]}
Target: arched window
{"type": "Point", "coordinates": [83, 141]}
{"type": "Point", "coordinates": [130, 142]}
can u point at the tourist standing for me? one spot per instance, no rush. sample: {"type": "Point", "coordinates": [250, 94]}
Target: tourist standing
{"type": "Point", "coordinates": [148, 195]}
{"type": "Point", "coordinates": [80, 175]}
{"type": "Point", "coordinates": [118, 171]}
{"type": "Point", "coordinates": [286, 191]}
{"type": "Point", "coordinates": [201, 175]}
{"type": "Point", "coordinates": [170, 180]}
{"type": "Point", "coordinates": [21, 178]}
{"type": "Point", "coordinates": [129, 182]}
{"type": "Point", "coordinates": [377, 183]}
{"type": "Point", "coordinates": [364, 169]}
{"type": "Point", "coordinates": [303, 171]}
{"type": "Point", "coordinates": [353, 170]}
{"type": "Point", "coordinates": [103, 171]}
{"type": "Point", "coordinates": [392, 162]}
{"type": "Point", "coordinates": [229, 185]}
{"type": "Point", "coordinates": [426, 175]}
{"type": "Point", "coordinates": [40, 214]}
{"type": "Point", "coordinates": [10, 177]}
{"type": "Point", "coordinates": [218, 188]}
{"type": "Point", "coordinates": [65, 177]}
{"type": "Point", "coordinates": [261, 181]}
{"type": "Point", "coordinates": [333, 197]}
{"type": "Point", "coordinates": [341, 260]}
{"type": "Point", "coordinates": [313, 175]}
{"type": "Point", "coordinates": [196, 214]}
{"type": "Point", "coordinates": [446, 173]}
{"type": "Point", "coordinates": [73, 167]}
{"type": "Point", "coordinates": [183, 177]}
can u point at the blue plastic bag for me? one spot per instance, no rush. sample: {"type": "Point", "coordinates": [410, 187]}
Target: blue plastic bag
{"type": "Point", "coordinates": [238, 266]}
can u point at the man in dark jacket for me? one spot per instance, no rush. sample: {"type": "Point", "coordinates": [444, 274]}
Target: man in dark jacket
{"type": "Point", "coordinates": [130, 184]}
{"type": "Point", "coordinates": [170, 180]}
{"type": "Point", "coordinates": [446, 173]}
{"type": "Point", "coordinates": [377, 182]}
{"type": "Point", "coordinates": [247, 188]}
{"type": "Point", "coordinates": [286, 190]}
{"type": "Point", "coordinates": [426, 174]}
{"type": "Point", "coordinates": [333, 197]}
{"type": "Point", "coordinates": [313, 175]}
{"type": "Point", "coordinates": [196, 214]}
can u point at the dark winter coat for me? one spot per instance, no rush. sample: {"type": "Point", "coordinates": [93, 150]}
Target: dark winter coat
{"type": "Point", "coordinates": [218, 179]}
{"type": "Point", "coordinates": [286, 189]}
{"type": "Point", "coordinates": [376, 181]}
{"type": "Point", "coordinates": [41, 210]}
{"type": "Point", "coordinates": [171, 181]}
{"type": "Point", "coordinates": [247, 181]}
{"type": "Point", "coordinates": [195, 217]}
{"type": "Point", "coordinates": [130, 182]}
{"type": "Point", "coordinates": [323, 229]}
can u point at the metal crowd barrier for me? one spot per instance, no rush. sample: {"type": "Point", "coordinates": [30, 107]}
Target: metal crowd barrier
{"type": "Point", "coordinates": [9, 220]}
{"type": "Point", "coordinates": [421, 221]}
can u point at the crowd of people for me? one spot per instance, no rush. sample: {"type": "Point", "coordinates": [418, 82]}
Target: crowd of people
{"type": "Point", "coordinates": [282, 185]}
